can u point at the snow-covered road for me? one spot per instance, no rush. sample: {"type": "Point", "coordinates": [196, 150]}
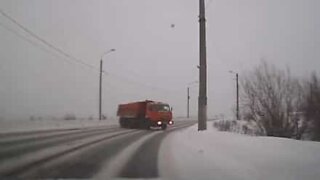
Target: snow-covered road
{"type": "Point", "coordinates": [189, 154]}
{"type": "Point", "coordinates": [94, 152]}
{"type": "Point", "coordinates": [111, 152]}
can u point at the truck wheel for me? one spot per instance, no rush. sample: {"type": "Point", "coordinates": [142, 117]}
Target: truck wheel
{"type": "Point", "coordinates": [128, 124]}
{"type": "Point", "coordinates": [122, 123]}
{"type": "Point", "coordinates": [145, 124]}
{"type": "Point", "coordinates": [131, 123]}
{"type": "Point", "coordinates": [163, 126]}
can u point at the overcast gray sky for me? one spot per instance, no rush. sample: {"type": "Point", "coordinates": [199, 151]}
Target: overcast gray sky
{"type": "Point", "coordinates": [152, 59]}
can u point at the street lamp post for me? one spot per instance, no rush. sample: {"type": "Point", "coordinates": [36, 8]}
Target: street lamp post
{"type": "Point", "coordinates": [100, 83]}
{"type": "Point", "coordinates": [188, 97]}
{"type": "Point", "coordinates": [188, 103]}
{"type": "Point", "coordinates": [237, 100]}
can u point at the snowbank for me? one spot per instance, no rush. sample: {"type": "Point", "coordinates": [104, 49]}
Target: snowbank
{"type": "Point", "coordinates": [39, 125]}
{"type": "Point", "coordinates": [211, 154]}
{"type": "Point", "coordinates": [238, 126]}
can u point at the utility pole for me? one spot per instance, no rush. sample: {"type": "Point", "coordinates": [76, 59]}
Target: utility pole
{"type": "Point", "coordinates": [202, 101]}
{"type": "Point", "coordinates": [237, 97]}
{"type": "Point", "coordinates": [100, 83]}
{"type": "Point", "coordinates": [237, 79]}
{"type": "Point", "coordinates": [188, 103]}
{"type": "Point", "coordinates": [100, 91]}
{"type": "Point", "coordinates": [188, 97]}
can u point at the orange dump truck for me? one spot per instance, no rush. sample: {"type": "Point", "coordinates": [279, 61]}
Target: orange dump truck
{"type": "Point", "coordinates": [144, 114]}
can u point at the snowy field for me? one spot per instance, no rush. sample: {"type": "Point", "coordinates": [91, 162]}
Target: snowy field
{"type": "Point", "coordinates": [211, 154]}
{"type": "Point", "coordinates": [57, 124]}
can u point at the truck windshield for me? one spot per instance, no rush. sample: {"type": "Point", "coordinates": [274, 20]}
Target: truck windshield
{"type": "Point", "coordinates": [160, 107]}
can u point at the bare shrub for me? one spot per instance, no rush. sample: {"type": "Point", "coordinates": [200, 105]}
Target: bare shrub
{"type": "Point", "coordinates": [104, 117]}
{"type": "Point", "coordinates": [238, 126]}
{"type": "Point", "coordinates": [269, 96]}
{"type": "Point", "coordinates": [70, 117]}
{"type": "Point", "coordinates": [222, 125]}
{"type": "Point", "coordinates": [32, 118]}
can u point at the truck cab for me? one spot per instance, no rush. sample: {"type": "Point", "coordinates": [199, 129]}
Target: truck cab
{"type": "Point", "coordinates": [159, 114]}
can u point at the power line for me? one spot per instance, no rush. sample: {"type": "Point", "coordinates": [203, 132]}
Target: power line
{"type": "Point", "coordinates": [104, 72]}
{"type": "Point", "coordinates": [33, 43]}
{"type": "Point", "coordinates": [68, 56]}
{"type": "Point", "coordinates": [141, 84]}
{"type": "Point", "coordinates": [46, 42]}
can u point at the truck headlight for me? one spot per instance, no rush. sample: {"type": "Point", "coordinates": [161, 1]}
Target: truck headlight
{"type": "Point", "coordinates": [159, 122]}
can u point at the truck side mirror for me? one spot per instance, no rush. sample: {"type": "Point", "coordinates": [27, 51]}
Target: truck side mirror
{"type": "Point", "coordinates": [171, 109]}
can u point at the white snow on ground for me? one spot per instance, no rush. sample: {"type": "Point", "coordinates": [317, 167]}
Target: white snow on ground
{"type": "Point", "coordinates": [211, 154]}
{"type": "Point", "coordinates": [40, 125]}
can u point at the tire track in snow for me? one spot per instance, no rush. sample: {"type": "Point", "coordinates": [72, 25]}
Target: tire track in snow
{"type": "Point", "coordinates": [87, 162]}
{"type": "Point", "coordinates": [17, 150]}
{"type": "Point", "coordinates": [18, 138]}
{"type": "Point", "coordinates": [18, 166]}
{"type": "Point", "coordinates": [144, 161]}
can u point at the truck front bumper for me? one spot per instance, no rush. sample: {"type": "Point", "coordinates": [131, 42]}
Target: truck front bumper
{"type": "Point", "coordinates": [160, 123]}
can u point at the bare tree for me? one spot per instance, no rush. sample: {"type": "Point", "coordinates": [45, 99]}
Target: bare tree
{"type": "Point", "coordinates": [270, 96]}
{"type": "Point", "coordinates": [312, 105]}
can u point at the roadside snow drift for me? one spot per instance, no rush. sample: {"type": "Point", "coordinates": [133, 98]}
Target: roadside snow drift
{"type": "Point", "coordinates": [189, 154]}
